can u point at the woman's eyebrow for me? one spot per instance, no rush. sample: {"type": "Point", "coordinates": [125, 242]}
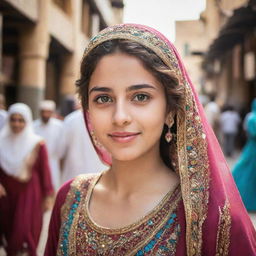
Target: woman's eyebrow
{"type": "Point", "coordinates": [140, 86]}
{"type": "Point", "coordinates": [130, 88]}
{"type": "Point", "coordinates": [100, 89]}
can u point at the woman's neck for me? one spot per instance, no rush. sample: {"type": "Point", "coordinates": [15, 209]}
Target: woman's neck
{"type": "Point", "coordinates": [143, 174]}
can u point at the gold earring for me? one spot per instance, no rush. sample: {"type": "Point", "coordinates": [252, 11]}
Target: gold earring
{"type": "Point", "coordinates": [170, 122]}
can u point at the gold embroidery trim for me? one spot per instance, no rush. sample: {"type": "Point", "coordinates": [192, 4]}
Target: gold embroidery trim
{"type": "Point", "coordinates": [161, 224]}
{"type": "Point", "coordinates": [141, 36]}
{"type": "Point", "coordinates": [194, 172]}
{"type": "Point", "coordinates": [76, 185]}
{"type": "Point", "coordinates": [223, 235]}
{"type": "Point", "coordinates": [132, 226]}
{"type": "Point", "coordinates": [83, 209]}
{"type": "Point", "coordinates": [84, 192]}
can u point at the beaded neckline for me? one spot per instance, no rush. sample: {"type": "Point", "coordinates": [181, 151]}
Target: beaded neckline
{"type": "Point", "coordinates": [145, 218]}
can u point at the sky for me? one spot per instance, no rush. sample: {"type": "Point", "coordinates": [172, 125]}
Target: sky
{"type": "Point", "coordinates": [161, 14]}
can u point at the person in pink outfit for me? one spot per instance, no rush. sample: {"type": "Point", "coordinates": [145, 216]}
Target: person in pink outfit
{"type": "Point", "coordinates": [25, 183]}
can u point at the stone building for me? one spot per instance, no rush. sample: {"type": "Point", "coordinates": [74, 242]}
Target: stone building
{"type": "Point", "coordinates": [192, 44]}
{"type": "Point", "coordinates": [225, 39]}
{"type": "Point", "coordinates": [193, 38]}
{"type": "Point", "coordinates": [229, 62]}
{"type": "Point", "coordinates": [41, 44]}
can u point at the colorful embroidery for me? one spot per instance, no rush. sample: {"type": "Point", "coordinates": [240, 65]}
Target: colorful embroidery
{"type": "Point", "coordinates": [142, 36]}
{"type": "Point", "coordinates": [67, 224]}
{"type": "Point", "coordinates": [155, 234]}
{"type": "Point", "coordinates": [223, 237]}
{"type": "Point", "coordinates": [68, 212]}
{"type": "Point", "coordinates": [168, 246]}
{"type": "Point", "coordinates": [194, 174]}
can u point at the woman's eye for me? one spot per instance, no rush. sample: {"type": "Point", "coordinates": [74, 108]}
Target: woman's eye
{"type": "Point", "coordinates": [141, 97]}
{"type": "Point", "coordinates": [103, 99]}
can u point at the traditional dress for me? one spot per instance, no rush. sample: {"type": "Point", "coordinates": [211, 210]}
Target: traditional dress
{"type": "Point", "coordinates": [51, 132]}
{"type": "Point", "coordinates": [77, 149]}
{"type": "Point", "coordinates": [160, 230]}
{"type": "Point", "coordinates": [203, 216]}
{"type": "Point", "coordinates": [25, 175]}
{"type": "Point", "coordinates": [244, 171]}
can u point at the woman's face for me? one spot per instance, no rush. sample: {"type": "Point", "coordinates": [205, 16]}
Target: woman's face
{"type": "Point", "coordinates": [17, 123]}
{"type": "Point", "coordinates": [127, 107]}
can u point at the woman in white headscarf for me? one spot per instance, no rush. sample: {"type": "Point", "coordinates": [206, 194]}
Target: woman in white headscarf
{"type": "Point", "coordinates": [25, 182]}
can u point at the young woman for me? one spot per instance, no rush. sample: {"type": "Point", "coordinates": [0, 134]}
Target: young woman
{"type": "Point", "coordinates": [25, 183]}
{"type": "Point", "coordinates": [168, 190]}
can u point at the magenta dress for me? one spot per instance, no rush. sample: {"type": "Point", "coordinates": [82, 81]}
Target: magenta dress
{"type": "Point", "coordinates": [21, 211]}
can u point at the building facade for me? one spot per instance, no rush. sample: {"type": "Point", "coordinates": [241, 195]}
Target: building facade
{"type": "Point", "coordinates": [191, 43]}
{"type": "Point", "coordinates": [42, 42]}
{"type": "Point", "coordinates": [229, 62]}
{"type": "Point", "coordinates": [221, 50]}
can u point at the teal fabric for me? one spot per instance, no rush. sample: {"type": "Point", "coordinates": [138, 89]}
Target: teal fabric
{"type": "Point", "coordinates": [244, 171]}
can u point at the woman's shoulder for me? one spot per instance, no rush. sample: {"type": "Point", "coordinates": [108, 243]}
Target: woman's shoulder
{"type": "Point", "coordinates": [75, 185]}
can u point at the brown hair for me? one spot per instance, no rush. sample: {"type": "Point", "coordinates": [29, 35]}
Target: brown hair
{"type": "Point", "coordinates": [153, 63]}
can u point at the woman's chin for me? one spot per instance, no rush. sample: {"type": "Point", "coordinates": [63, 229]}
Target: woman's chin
{"type": "Point", "coordinates": [125, 157]}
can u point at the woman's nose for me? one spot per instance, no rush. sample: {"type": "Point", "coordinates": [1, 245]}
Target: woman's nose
{"type": "Point", "coordinates": [121, 115]}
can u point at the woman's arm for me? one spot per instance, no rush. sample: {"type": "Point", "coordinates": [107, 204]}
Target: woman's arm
{"type": "Point", "coordinates": [44, 171]}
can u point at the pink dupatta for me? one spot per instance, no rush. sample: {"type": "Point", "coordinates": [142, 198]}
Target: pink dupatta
{"type": "Point", "coordinates": [216, 220]}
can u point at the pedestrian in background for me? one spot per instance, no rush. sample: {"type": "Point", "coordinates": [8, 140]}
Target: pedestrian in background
{"type": "Point", "coordinates": [25, 182]}
{"type": "Point", "coordinates": [3, 113]}
{"type": "Point", "coordinates": [244, 171]}
{"type": "Point", "coordinates": [212, 112]}
{"type": "Point", "coordinates": [78, 153]}
{"type": "Point", "coordinates": [168, 190]}
{"type": "Point", "coordinates": [229, 126]}
{"type": "Point", "coordinates": [50, 129]}
{"type": "Point", "coordinates": [68, 105]}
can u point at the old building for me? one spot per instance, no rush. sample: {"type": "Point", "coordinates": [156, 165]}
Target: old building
{"type": "Point", "coordinates": [229, 62]}
{"type": "Point", "coordinates": [193, 38]}
{"type": "Point", "coordinates": [192, 44]}
{"type": "Point", "coordinates": [223, 43]}
{"type": "Point", "coordinates": [41, 44]}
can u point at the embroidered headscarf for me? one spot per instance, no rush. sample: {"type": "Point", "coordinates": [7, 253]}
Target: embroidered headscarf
{"type": "Point", "coordinates": [211, 201]}
{"type": "Point", "coordinates": [15, 149]}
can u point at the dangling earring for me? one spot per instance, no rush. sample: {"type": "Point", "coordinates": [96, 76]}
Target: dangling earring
{"type": "Point", "coordinates": [170, 122]}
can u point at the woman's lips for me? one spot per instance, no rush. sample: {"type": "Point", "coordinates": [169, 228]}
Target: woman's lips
{"type": "Point", "coordinates": [123, 137]}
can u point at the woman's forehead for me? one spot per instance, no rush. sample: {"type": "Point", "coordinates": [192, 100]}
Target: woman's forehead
{"type": "Point", "coordinates": [120, 69]}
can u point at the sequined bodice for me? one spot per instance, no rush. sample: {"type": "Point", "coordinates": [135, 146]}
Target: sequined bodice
{"type": "Point", "coordinates": [156, 233]}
